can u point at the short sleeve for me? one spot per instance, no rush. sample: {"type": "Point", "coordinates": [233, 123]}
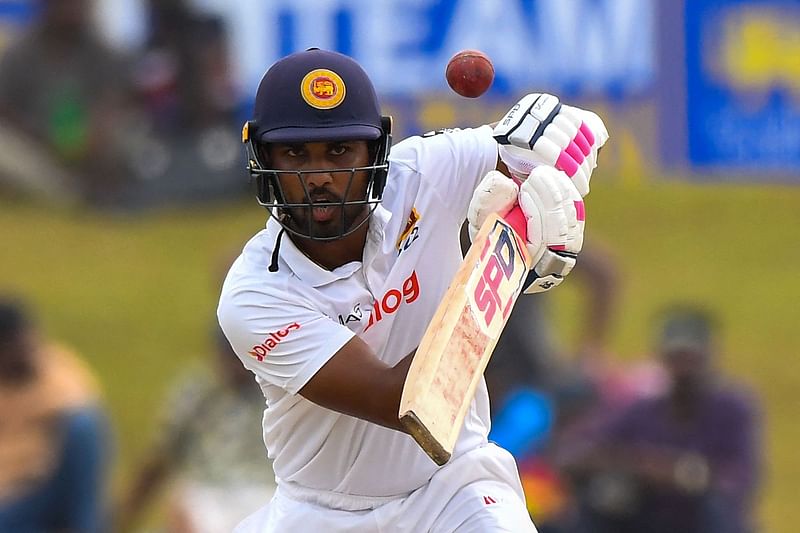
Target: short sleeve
{"type": "Point", "coordinates": [283, 342]}
{"type": "Point", "coordinates": [451, 162]}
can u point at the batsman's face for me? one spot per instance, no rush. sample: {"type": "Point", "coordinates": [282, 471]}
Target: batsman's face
{"type": "Point", "coordinates": [324, 178]}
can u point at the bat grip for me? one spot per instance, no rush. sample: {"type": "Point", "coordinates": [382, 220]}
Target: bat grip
{"type": "Point", "coordinates": [516, 219]}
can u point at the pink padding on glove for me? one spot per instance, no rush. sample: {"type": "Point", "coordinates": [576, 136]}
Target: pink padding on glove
{"type": "Point", "coordinates": [583, 144]}
{"type": "Point", "coordinates": [558, 247]}
{"type": "Point", "coordinates": [517, 219]}
{"type": "Point", "coordinates": [580, 210]}
{"type": "Point", "coordinates": [587, 133]}
{"type": "Point", "coordinates": [575, 152]}
{"type": "Point", "coordinates": [566, 164]}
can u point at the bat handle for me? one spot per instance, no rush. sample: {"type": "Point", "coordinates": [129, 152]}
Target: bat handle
{"type": "Point", "coordinates": [516, 219]}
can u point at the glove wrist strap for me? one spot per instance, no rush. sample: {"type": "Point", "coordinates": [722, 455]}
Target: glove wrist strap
{"type": "Point", "coordinates": [519, 165]}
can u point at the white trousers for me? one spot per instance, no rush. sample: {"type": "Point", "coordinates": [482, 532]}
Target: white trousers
{"type": "Point", "coordinates": [478, 492]}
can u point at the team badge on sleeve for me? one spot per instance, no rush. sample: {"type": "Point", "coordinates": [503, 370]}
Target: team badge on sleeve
{"type": "Point", "coordinates": [410, 233]}
{"type": "Point", "coordinates": [323, 89]}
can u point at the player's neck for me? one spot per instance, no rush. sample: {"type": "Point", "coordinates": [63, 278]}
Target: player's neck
{"type": "Point", "coordinates": [333, 254]}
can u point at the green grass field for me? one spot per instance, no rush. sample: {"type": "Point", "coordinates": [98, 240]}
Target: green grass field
{"type": "Point", "coordinates": [136, 294]}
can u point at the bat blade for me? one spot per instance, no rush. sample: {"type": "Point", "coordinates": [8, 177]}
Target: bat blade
{"type": "Point", "coordinates": [459, 341]}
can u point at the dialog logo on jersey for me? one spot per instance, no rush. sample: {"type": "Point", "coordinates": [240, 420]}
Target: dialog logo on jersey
{"type": "Point", "coordinates": [499, 281]}
{"type": "Point", "coordinates": [391, 301]}
{"type": "Point", "coordinates": [260, 351]}
{"type": "Point", "coordinates": [323, 89]}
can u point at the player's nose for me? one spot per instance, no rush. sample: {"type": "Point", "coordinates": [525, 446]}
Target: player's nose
{"type": "Point", "coordinates": [318, 178]}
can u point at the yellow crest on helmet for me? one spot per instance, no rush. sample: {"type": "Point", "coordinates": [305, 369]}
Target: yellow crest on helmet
{"type": "Point", "coordinates": [323, 89]}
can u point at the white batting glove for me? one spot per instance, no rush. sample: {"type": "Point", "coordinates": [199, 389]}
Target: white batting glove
{"type": "Point", "coordinates": [556, 217]}
{"type": "Point", "coordinates": [496, 193]}
{"type": "Point", "coordinates": [554, 212]}
{"type": "Point", "coordinates": [540, 130]}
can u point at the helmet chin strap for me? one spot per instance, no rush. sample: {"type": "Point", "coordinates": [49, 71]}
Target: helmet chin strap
{"type": "Point", "coordinates": [273, 266]}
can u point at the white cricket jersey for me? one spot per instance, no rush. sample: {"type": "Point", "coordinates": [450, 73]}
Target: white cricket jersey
{"type": "Point", "coordinates": [286, 325]}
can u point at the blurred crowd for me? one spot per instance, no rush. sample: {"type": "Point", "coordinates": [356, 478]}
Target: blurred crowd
{"type": "Point", "coordinates": [54, 438]}
{"type": "Point", "coordinates": [207, 462]}
{"type": "Point", "coordinates": [665, 443]}
{"type": "Point", "coordinates": [82, 123]}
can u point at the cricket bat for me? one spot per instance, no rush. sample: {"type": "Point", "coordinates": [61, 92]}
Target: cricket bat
{"type": "Point", "coordinates": [459, 341]}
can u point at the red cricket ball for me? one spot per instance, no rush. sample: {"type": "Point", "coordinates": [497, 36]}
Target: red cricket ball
{"type": "Point", "coordinates": [470, 73]}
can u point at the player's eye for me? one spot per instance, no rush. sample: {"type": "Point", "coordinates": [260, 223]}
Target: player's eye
{"type": "Point", "coordinates": [295, 151]}
{"type": "Point", "coordinates": [338, 149]}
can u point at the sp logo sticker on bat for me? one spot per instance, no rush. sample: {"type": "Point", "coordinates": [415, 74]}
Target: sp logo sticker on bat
{"type": "Point", "coordinates": [497, 280]}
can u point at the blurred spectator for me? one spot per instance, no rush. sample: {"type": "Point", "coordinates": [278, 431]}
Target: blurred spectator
{"type": "Point", "coordinates": [188, 149]}
{"type": "Point", "coordinates": [686, 460]}
{"type": "Point", "coordinates": [53, 434]}
{"type": "Point", "coordinates": [62, 95]}
{"type": "Point", "coordinates": [600, 389]}
{"type": "Point", "coordinates": [184, 73]}
{"type": "Point", "coordinates": [208, 450]}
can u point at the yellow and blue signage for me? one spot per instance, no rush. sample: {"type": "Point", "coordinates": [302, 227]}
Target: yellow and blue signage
{"type": "Point", "coordinates": [743, 84]}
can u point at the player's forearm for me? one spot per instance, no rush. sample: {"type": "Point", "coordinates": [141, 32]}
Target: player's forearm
{"type": "Point", "coordinates": [356, 383]}
{"type": "Point", "coordinates": [387, 404]}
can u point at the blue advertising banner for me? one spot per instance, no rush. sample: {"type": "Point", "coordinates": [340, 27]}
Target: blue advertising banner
{"type": "Point", "coordinates": [580, 47]}
{"type": "Point", "coordinates": [743, 85]}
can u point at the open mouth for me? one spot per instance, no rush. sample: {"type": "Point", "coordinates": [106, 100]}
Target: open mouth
{"type": "Point", "coordinates": [324, 212]}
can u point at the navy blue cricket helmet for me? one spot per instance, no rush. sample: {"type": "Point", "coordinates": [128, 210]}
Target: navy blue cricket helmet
{"type": "Point", "coordinates": [315, 96]}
